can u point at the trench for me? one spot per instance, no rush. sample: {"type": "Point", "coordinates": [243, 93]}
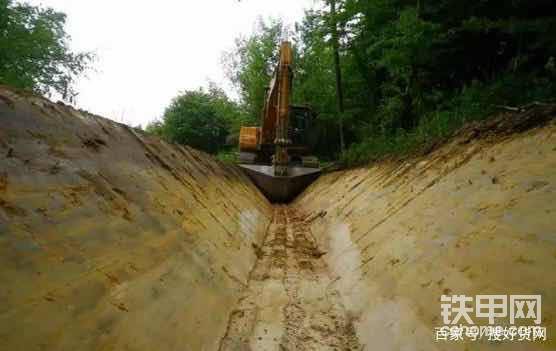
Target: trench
{"type": "Point", "coordinates": [290, 303]}
{"type": "Point", "coordinates": [111, 239]}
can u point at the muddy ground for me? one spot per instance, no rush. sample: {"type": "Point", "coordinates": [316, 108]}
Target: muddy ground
{"type": "Point", "coordinates": [290, 303]}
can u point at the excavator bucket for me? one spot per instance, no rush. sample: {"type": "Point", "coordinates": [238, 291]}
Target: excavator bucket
{"type": "Point", "coordinates": [281, 189]}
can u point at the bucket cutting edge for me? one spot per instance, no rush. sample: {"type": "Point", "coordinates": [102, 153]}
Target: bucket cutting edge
{"type": "Point", "coordinates": [281, 189]}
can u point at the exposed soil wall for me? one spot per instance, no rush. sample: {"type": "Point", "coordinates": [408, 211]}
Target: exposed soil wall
{"type": "Point", "coordinates": [475, 216]}
{"type": "Point", "coordinates": [112, 240]}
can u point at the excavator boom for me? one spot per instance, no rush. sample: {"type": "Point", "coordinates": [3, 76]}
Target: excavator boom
{"type": "Point", "coordinates": [281, 181]}
{"type": "Point", "coordinates": [282, 140]}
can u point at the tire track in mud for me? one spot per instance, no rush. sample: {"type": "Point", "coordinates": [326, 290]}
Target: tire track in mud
{"type": "Point", "coordinates": [289, 304]}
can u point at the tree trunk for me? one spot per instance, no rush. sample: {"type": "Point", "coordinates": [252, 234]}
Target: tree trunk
{"type": "Point", "coordinates": [419, 8]}
{"type": "Point", "coordinates": [339, 91]}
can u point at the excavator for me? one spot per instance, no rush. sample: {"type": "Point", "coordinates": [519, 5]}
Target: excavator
{"type": "Point", "coordinates": [276, 154]}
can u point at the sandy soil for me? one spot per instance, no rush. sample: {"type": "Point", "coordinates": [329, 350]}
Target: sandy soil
{"type": "Point", "coordinates": [114, 240]}
{"type": "Point", "coordinates": [290, 303]}
{"type": "Point", "coordinates": [475, 215]}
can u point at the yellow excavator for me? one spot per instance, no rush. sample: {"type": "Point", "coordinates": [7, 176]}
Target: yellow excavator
{"type": "Point", "coordinates": [276, 154]}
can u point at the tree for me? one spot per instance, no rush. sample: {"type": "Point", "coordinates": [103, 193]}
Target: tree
{"type": "Point", "coordinates": [34, 51]}
{"type": "Point", "coordinates": [199, 118]}
{"type": "Point", "coordinates": [250, 64]}
{"type": "Point", "coordinates": [314, 79]}
{"type": "Point", "coordinates": [411, 70]}
{"type": "Point", "coordinates": [337, 70]}
{"type": "Point", "coordinates": [155, 127]}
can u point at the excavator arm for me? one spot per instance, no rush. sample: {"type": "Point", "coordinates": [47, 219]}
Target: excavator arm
{"type": "Point", "coordinates": [276, 103]}
{"type": "Point", "coordinates": [281, 181]}
{"type": "Point", "coordinates": [283, 88]}
{"type": "Point", "coordinates": [275, 114]}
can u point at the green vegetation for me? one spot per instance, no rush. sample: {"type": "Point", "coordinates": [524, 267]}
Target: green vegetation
{"type": "Point", "coordinates": [34, 51]}
{"type": "Point", "coordinates": [202, 119]}
{"type": "Point", "coordinates": [251, 63]}
{"type": "Point", "coordinates": [228, 155]}
{"type": "Point", "coordinates": [427, 68]}
{"type": "Point", "coordinates": [413, 71]}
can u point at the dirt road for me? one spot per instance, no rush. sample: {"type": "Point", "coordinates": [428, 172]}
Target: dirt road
{"type": "Point", "coordinates": [289, 303]}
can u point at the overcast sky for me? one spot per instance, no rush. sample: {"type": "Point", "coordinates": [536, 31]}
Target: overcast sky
{"type": "Point", "coordinates": [148, 51]}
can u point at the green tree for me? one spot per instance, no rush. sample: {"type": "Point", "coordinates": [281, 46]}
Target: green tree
{"type": "Point", "coordinates": [416, 69]}
{"type": "Point", "coordinates": [412, 70]}
{"type": "Point", "coordinates": [155, 127]}
{"type": "Point", "coordinates": [202, 119]}
{"type": "Point", "coordinates": [34, 52]}
{"type": "Point", "coordinates": [314, 79]}
{"type": "Point", "coordinates": [250, 64]}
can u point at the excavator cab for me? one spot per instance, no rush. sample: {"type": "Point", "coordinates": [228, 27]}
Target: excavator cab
{"type": "Point", "coordinates": [303, 136]}
{"type": "Point", "coordinates": [276, 155]}
{"type": "Point", "coordinates": [300, 132]}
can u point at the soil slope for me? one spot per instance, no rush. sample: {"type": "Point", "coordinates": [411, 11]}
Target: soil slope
{"type": "Point", "coordinates": [112, 240]}
{"type": "Point", "coordinates": [476, 215]}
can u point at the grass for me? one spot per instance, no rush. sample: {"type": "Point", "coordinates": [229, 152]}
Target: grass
{"type": "Point", "coordinates": [228, 156]}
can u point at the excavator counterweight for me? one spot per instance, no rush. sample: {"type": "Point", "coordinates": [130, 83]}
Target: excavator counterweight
{"type": "Point", "coordinates": [276, 154]}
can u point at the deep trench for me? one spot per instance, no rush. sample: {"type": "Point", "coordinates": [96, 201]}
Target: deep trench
{"type": "Point", "coordinates": [112, 239]}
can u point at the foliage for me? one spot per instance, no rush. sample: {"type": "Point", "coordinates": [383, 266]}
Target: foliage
{"type": "Point", "coordinates": [436, 65]}
{"type": "Point", "coordinates": [474, 102]}
{"type": "Point", "coordinates": [199, 118]}
{"type": "Point", "coordinates": [413, 71]}
{"type": "Point", "coordinates": [228, 156]}
{"type": "Point", "coordinates": [250, 64]}
{"type": "Point", "coordinates": [155, 127]}
{"type": "Point", "coordinates": [34, 52]}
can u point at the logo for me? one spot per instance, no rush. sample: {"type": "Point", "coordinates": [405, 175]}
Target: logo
{"type": "Point", "coordinates": [501, 312]}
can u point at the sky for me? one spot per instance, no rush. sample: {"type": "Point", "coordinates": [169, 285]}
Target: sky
{"type": "Point", "coordinates": [149, 51]}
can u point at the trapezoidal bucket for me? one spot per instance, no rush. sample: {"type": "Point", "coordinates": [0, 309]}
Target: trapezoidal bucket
{"type": "Point", "coordinates": [281, 189]}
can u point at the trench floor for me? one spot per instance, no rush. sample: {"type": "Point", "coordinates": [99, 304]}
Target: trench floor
{"type": "Point", "coordinates": [290, 302]}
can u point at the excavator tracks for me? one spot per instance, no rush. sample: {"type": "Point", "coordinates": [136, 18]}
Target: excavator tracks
{"type": "Point", "coordinates": [289, 303]}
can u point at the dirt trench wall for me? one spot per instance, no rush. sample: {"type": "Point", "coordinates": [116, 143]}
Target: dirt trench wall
{"type": "Point", "coordinates": [470, 218]}
{"type": "Point", "coordinates": [113, 240]}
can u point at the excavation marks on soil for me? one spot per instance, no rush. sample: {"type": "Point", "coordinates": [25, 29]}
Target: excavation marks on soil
{"type": "Point", "coordinates": [289, 304]}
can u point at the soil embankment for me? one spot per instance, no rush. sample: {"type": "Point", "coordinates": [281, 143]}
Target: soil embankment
{"type": "Point", "coordinates": [114, 240]}
{"type": "Point", "coordinates": [474, 216]}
